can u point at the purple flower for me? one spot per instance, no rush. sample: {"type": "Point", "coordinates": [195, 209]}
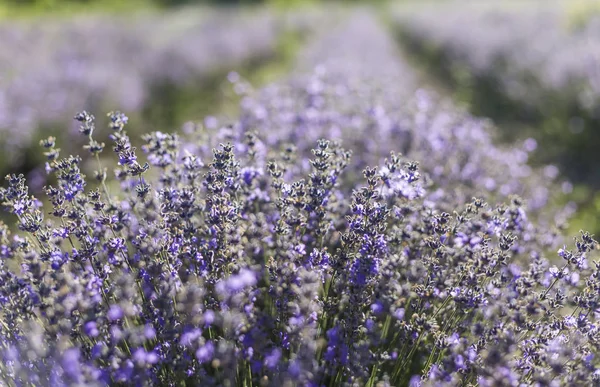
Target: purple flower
{"type": "Point", "coordinates": [91, 329]}
{"type": "Point", "coordinates": [399, 314]}
{"type": "Point", "coordinates": [125, 371]}
{"type": "Point", "coordinates": [415, 381]}
{"type": "Point", "coordinates": [189, 337]}
{"type": "Point", "coordinates": [71, 364]}
{"type": "Point", "coordinates": [272, 360]}
{"type": "Point", "coordinates": [58, 259]}
{"type": "Point", "coordinates": [149, 332]}
{"type": "Point", "coordinates": [143, 358]}
{"type": "Point", "coordinates": [61, 232]}
{"type": "Point", "coordinates": [127, 157]}
{"type": "Point", "coordinates": [337, 350]}
{"type": "Point", "coordinates": [115, 312]}
{"type": "Point", "coordinates": [459, 362]}
{"type": "Point", "coordinates": [209, 317]}
{"type": "Point", "coordinates": [205, 353]}
{"type": "Point", "coordinates": [237, 282]}
{"type": "Point", "coordinates": [377, 308]}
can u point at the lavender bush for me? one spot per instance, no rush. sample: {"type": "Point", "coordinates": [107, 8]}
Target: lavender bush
{"type": "Point", "coordinates": [522, 44]}
{"type": "Point", "coordinates": [99, 62]}
{"type": "Point", "coordinates": [520, 63]}
{"type": "Point", "coordinates": [261, 253]}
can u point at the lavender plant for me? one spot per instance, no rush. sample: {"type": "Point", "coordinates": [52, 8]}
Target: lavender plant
{"type": "Point", "coordinates": [98, 62]}
{"type": "Point", "coordinates": [242, 270]}
{"type": "Point", "coordinates": [374, 104]}
{"type": "Point", "coordinates": [521, 64]}
{"type": "Point", "coordinates": [266, 253]}
{"type": "Point", "coordinates": [523, 44]}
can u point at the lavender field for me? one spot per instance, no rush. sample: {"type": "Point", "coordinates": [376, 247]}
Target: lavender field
{"type": "Point", "coordinates": [274, 196]}
{"type": "Point", "coordinates": [533, 67]}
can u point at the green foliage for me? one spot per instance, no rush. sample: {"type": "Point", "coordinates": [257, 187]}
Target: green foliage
{"type": "Point", "coordinates": [11, 9]}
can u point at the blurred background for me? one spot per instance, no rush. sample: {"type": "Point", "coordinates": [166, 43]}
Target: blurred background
{"type": "Point", "coordinates": [531, 67]}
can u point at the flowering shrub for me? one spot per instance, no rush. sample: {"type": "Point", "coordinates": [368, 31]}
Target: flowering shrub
{"type": "Point", "coordinates": [264, 254]}
{"type": "Point", "coordinates": [100, 61]}
{"type": "Point", "coordinates": [243, 271]}
{"type": "Point", "coordinates": [523, 46]}
{"type": "Point", "coordinates": [518, 64]}
{"type": "Point", "coordinates": [374, 105]}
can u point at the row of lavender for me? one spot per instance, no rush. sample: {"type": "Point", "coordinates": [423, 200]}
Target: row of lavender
{"type": "Point", "coordinates": [519, 62]}
{"type": "Point", "coordinates": [51, 68]}
{"type": "Point", "coordinates": [266, 253]}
